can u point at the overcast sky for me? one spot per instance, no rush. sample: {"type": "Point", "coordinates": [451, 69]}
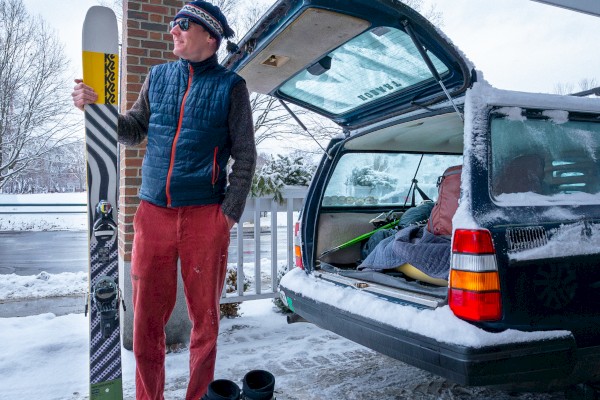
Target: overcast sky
{"type": "Point", "coordinates": [518, 44]}
{"type": "Point", "coordinates": [524, 45]}
{"type": "Point", "coordinates": [66, 17]}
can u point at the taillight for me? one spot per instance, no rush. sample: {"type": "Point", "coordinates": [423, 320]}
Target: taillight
{"type": "Point", "coordinates": [474, 292]}
{"type": "Point", "coordinates": [297, 246]}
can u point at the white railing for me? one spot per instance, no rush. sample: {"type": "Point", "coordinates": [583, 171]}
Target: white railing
{"type": "Point", "coordinates": [42, 208]}
{"type": "Point", "coordinates": [277, 229]}
{"type": "Point", "coordinates": [264, 278]}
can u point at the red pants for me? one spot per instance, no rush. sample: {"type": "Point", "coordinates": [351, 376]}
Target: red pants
{"type": "Point", "coordinates": [199, 237]}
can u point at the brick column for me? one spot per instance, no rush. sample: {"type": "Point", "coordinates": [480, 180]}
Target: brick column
{"type": "Point", "coordinates": [146, 42]}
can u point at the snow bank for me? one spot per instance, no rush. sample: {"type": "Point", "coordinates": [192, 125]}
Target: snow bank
{"type": "Point", "coordinates": [439, 324]}
{"type": "Point", "coordinates": [16, 287]}
{"type": "Point", "coordinates": [43, 222]}
{"type": "Point", "coordinates": [44, 284]}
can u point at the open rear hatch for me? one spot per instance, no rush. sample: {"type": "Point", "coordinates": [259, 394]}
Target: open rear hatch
{"type": "Point", "coordinates": [355, 61]}
{"type": "Point", "coordinates": [358, 63]}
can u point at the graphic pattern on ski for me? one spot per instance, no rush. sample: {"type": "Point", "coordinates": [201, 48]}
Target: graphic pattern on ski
{"type": "Point", "coordinates": [101, 120]}
{"type": "Point", "coordinates": [100, 71]}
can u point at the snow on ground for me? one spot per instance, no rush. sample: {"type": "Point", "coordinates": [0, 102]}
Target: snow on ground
{"type": "Point", "coordinates": [15, 287]}
{"type": "Point", "coordinates": [44, 357]}
{"type": "Point", "coordinates": [48, 222]}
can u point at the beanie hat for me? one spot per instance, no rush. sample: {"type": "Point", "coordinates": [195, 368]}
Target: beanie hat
{"type": "Point", "coordinates": [208, 16]}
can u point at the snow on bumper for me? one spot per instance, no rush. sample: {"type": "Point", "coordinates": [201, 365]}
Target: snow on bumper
{"type": "Point", "coordinates": [439, 324]}
{"type": "Point", "coordinates": [436, 340]}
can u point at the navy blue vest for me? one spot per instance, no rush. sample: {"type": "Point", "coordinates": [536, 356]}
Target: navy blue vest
{"type": "Point", "coordinates": [188, 136]}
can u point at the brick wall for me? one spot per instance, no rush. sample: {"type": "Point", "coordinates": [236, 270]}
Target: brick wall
{"type": "Point", "coordinates": [146, 42]}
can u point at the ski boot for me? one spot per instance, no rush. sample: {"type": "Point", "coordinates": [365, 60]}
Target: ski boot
{"type": "Point", "coordinates": [222, 389]}
{"type": "Point", "coordinates": [258, 385]}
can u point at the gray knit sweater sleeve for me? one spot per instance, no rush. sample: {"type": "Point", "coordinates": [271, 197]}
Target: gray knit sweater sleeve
{"type": "Point", "coordinates": [243, 152]}
{"type": "Point", "coordinates": [133, 125]}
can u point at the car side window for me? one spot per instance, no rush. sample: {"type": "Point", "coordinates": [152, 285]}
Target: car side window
{"type": "Point", "coordinates": [536, 157]}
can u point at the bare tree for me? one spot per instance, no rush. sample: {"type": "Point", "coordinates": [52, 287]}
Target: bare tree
{"type": "Point", "coordinates": [34, 103]}
{"type": "Point", "coordinates": [228, 7]}
{"type": "Point", "coordinates": [569, 87]}
{"type": "Point", "coordinates": [116, 6]}
{"type": "Point", "coordinates": [432, 14]}
{"type": "Point", "coordinates": [271, 120]}
{"type": "Point", "coordinates": [61, 170]}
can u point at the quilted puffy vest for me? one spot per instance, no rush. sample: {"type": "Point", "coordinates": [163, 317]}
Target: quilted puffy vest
{"type": "Point", "coordinates": [188, 136]}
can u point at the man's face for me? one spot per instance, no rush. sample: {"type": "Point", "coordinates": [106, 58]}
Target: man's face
{"type": "Point", "coordinates": [194, 44]}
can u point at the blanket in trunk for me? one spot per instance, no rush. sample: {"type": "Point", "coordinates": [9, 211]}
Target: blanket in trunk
{"type": "Point", "coordinates": [414, 245]}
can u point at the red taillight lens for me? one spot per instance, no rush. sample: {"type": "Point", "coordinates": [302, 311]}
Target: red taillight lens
{"type": "Point", "coordinates": [474, 292]}
{"type": "Point", "coordinates": [297, 246]}
{"type": "Point", "coordinates": [475, 306]}
{"type": "Point", "coordinates": [473, 241]}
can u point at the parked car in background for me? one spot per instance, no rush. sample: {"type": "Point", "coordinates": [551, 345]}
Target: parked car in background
{"type": "Point", "coordinates": [510, 294]}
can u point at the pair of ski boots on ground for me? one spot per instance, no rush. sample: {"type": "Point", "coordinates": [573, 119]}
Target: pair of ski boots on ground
{"type": "Point", "coordinates": [256, 385]}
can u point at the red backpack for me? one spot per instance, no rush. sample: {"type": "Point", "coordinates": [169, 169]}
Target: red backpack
{"type": "Point", "coordinates": [440, 220]}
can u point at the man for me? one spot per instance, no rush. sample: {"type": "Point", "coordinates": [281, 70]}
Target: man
{"type": "Point", "coordinates": [195, 115]}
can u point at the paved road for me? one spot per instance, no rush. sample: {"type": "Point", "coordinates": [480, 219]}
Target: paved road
{"type": "Point", "coordinates": [29, 253]}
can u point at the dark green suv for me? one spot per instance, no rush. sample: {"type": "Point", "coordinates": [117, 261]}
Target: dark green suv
{"type": "Point", "coordinates": [513, 296]}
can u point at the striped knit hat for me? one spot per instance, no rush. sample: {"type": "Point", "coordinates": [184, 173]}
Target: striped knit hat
{"type": "Point", "coordinates": [209, 16]}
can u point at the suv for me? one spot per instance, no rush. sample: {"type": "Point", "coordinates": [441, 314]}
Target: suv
{"type": "Point", "coordinates": [512, 293]}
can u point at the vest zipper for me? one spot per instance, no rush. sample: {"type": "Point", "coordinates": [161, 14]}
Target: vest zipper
{"type": "Point", "coordinates": [216, 170]}
{"type": "Point", "coordinates": [174, 145]}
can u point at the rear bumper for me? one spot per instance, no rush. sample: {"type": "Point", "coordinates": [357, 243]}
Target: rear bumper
{"type": "Point", "coordinates": [556, 360]}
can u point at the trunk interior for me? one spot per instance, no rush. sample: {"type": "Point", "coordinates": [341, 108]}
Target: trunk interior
{"type": "Point", "coordinates": [335, 228]}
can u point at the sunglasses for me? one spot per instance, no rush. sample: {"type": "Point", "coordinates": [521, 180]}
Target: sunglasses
{"type": "Point", "coordinates": [183, 23]}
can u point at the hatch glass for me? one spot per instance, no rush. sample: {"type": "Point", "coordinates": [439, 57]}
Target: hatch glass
{"type": "Point", "coordinates": [374, 65]}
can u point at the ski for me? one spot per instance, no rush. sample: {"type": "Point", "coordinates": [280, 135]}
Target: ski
{"type": "Point", "coordinates": [100, 71]}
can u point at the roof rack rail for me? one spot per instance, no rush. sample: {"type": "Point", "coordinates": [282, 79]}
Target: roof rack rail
{"type": "Point", "coordinates": [588, 92]}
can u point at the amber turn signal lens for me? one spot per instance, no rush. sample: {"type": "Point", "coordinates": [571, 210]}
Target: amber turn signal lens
{"type": "Point", "coordinates": [474, 281]}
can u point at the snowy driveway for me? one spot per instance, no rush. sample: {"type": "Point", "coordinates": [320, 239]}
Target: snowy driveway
{"type": "Point", "coordinates": [45, 357]}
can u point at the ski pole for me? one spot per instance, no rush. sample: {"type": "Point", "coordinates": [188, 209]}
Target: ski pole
{"type": "Point", "coordinates": [359, 239]}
